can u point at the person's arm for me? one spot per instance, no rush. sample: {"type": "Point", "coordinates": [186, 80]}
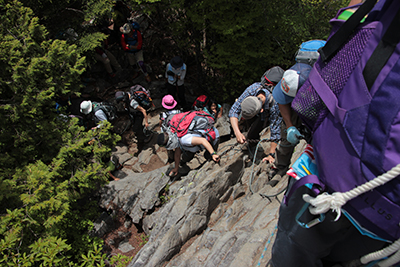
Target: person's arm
{"type": "Point", "coordinates": [183, 72]}
{"type": "Point", "coordinates": [221, 110]}
{"type": "Point", "coordinates": [146, 122]}
{"type": "Point", "coordinates": [286, 113]}
{"type": "Point", "coordinates": [240, 138]}
{"type": "Point", "coordinates": [140, 41]}
{"type": "Point", "coordinates": [177, 158]}
{"type": "Point", "coordinates": [197, 141]}
{"type": "Point", "coordinates": [124, 45]}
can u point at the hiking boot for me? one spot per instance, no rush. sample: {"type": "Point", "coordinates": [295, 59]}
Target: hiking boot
{"type": "Point", "coordinates": [275, 180]}
{"type": "Point", "coordinates": [147, 77]}
{"type": "Point", "coordinates": [184, 168]}
{"type": "Point", "coordinates": [135, 75]}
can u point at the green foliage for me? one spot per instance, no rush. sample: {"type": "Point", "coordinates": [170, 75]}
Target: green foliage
{"type": "Point", "coordinates": [49, 169]}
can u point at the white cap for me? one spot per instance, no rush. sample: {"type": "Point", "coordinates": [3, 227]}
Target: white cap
{"type": "Point", "coordinates": [86, 107]}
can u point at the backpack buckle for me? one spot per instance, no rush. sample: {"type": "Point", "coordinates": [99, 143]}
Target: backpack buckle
{"type": "Point", "coordinates": [311, 223]}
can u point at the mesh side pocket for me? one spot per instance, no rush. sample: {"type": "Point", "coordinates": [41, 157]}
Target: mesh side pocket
{"type": "Point", "coordinates": [335, 73]}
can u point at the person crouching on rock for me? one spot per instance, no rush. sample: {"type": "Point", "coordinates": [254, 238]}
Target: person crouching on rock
{"type": "Point", "coordinates": [186, 147]}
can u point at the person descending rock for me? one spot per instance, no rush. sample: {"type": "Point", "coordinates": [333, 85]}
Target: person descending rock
{"type": "Point", "coordinates": [131, 42]}
{"type": "Point", "coordinates": [175, 73]}
{"type": "Point", "coordinates": [257, 106]}
{"type": "Point", "coordinates": [188, 133]}
{"type": "Point", "coordinates": [136, 102]}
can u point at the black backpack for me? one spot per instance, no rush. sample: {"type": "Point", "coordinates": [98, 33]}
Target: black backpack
{"type": "Point", "coordinates": [109, 109]}
{"type": "Point", "coordinates": [142, 96]}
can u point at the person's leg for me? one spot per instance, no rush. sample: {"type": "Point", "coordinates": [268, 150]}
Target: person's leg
{"type": "Point", "coordinates": [285, 149]}
{"type": "Point", "coordinates": [171, 89]}
{"type": "Point", "coordinates": [186, 157]}
{"type": "Point", "coordinates": [140, 61]}
{"type": "Point", "coordinates": [253, 135]}
{"type": "Point", "coordinates": [105, 61]}
{"type": "Point", "coordinates": [113, 60]}
{"type": "Point", "coordinates": [138, 127]}
{"type": "Point", "coordinates": [181, 96]}
{"type": "Point", "coordinates": [335, 241]}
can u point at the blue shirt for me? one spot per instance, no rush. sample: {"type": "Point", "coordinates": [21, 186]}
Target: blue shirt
{"type": "Point", "coordinates": [272, 111]}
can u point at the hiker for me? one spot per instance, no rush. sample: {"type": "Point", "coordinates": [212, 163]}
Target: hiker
{"type": "Point", "coordinates": [187, 142]}
{"type": "Point", "coordinates": [284, 93]}
{"type": "Point", "coordinates": [257, 106]}
{"type": "Point", "coordinates": [169, 103]}
{"type": "Point", "coordinates": [131, 42]}
{"type": "Point", "coordinates": [344, 213]}
{"type": "Point", "coordinates": [98, 112]}
{"type": "Point", "coordinates": [175, 73]}
{"type": "Point", "coordinates": [214, 109]}
{"type": "Point", "coordinates": [136, 101]}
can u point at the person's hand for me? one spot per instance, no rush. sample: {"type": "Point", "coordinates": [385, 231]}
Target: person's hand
{"type": "Point", "coordinates": [219, 115]}
{"type": "Point", "coordinates": [293, 135]}
{"type": "Point", "coordinates": [215, 157]}
{"type": "Point", "coordinates": [146, 124]}
{"type": "Point", "coordinates": [268, 158]}
{"type": "Point", "coordinates": [173, 172]}
{"type": "Point", "coordinates": [240, 138]}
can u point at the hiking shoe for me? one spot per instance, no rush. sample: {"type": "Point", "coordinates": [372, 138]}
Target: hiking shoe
{"type": "Point", "coordinates": [135, 75]}
{"type": "Point", "coordinates": [275, 180]}
{"type": "Point", "coordinates": [148, 79]}
{"type": "Point", "coordinates": [184, 168]}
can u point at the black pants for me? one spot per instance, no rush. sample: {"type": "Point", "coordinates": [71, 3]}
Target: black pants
{"type": "Point", "coordinates": [137, 126]}
{"type": "Point", "coordinates": [328, 242]}
{"type": "Point", "coordinates": [188, 156]}
{"type": "Point", "coordinates": [178, 92]}
{"type": "Point", "coordinates": [257, 125]}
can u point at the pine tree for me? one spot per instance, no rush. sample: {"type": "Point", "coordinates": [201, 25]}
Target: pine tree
{"type": "Point", "coordinates": [49, 168]}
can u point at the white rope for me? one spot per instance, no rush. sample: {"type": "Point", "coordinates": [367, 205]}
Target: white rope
{"type": "Point", "coordinates": [377, 255]}
{"type": "Point", "coordinates": [324, 202]}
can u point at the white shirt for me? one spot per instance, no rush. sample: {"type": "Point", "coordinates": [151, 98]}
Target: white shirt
{"type": "Point", "coordinates": [186, 141]}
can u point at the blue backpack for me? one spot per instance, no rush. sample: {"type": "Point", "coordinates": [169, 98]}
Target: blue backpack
{"type": "Point", "coordinates": [351, 103]}
{"type": "Point", "coordinates": [308, 52]}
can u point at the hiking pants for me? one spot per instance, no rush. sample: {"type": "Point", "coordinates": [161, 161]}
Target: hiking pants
{"type": "Point", "coordinates": [188, 156]}
{"type": "Point", "coordinates": [324, 244]}
{"type": "Point", "coordinates": [285, 149]}
{"type": "Point", "coordinates": [257, 125]}
{"type": "Point", "coordinates": [178, 92]}
{"type": "Point", "coordinates": [137, 127]}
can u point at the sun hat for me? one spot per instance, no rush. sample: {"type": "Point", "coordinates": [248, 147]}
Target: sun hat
{"type": "Point", "coordinates": [86, 107]}
{"type": "Point", "coordinates": [251, 106]}
{"type": "Point", "coordinates": [168, 102]}
{"type": "Point", "coordinates": [285, 91]}
{"type": "Point", "coordinates": [176, 62]}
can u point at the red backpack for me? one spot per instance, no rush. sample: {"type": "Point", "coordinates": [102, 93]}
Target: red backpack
{"type": "Point", "coordinates": [200, 102]}
{"type": "Point", "coordinates": [193, 122]}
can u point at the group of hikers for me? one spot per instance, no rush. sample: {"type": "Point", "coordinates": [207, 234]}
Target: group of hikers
{"type": "Point", "coordinates": [293, 106]}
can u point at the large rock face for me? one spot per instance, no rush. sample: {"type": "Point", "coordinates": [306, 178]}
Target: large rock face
{"type": "Point", "coordinates": [212, 216]}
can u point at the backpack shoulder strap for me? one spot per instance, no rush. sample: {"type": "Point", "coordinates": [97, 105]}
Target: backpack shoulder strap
{"type": "Point", "coordinates": [343, 34]}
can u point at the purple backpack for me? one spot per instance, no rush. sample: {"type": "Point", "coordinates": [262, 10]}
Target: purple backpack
{"type": "Point", "coordinates": [351, 103]}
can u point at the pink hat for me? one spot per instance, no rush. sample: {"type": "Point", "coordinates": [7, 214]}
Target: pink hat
{"type": "Point", "coordinates": [168, 102]}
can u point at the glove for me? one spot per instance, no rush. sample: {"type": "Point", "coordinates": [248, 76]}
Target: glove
{"type": "Point", "coordinates": [293, 135]}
